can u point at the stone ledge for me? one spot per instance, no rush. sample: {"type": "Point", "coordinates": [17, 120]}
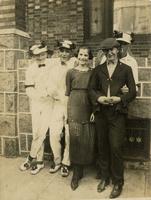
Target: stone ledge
{"type": "Point", "coordinates": [137, 165]}
{"type": "Point", "coordinates": [14, 31]}
{"type": "Point", "coordinates": [140, 108]}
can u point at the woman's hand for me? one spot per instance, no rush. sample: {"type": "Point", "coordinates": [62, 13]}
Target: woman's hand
{"type": "Point", "coordinates": [103, 100]}
{"type": "Point", "coordinates": [109, 100]}
{"type": "Point", "coordinates": [114, 100]}
{"type": "Point", "coordinates": [92, 117]}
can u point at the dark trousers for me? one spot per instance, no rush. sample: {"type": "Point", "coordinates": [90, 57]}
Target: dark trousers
{"type": "Point", "coordinates": [110, 128]}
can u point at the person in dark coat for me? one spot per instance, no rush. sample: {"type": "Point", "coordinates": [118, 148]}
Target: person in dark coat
{"type": "Point", "coordinates": [110, 108]}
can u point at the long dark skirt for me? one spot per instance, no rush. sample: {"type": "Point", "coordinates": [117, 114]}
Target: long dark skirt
{"type": "Point", "coordinates": [82, 139]}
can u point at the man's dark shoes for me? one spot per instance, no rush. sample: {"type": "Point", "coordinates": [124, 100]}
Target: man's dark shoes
{"type": "Point", "coordinates": [74, 184]}
{"type": "Point", "coordinates": [116, 191]}
{"type": "Point", "coordinates": [102, 185]}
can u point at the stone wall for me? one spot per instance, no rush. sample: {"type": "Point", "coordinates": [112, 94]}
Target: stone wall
{"type": "Point", "coordinates": [141, 107]}
{"type": "Point", "coordinates": [13, 45]}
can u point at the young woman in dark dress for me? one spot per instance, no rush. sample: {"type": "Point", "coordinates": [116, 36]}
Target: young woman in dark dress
{"type": "Point", "coordinates": [81, 130]}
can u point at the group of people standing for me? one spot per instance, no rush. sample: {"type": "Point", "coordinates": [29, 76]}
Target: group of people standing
{"type": "Point", "coordinates": [89, 104]}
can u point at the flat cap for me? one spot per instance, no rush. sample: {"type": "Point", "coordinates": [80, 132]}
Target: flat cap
{"type": "Point", "coordinates": [109, 43]}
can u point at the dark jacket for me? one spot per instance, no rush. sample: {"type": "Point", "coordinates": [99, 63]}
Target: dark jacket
{"type": "Point", "coordinates": [99, 81]}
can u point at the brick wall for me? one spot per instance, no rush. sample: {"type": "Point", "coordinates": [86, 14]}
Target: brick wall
{"type": "Point", "coordinates": [52, 20]}
{"type": "Point", "coordinates": [13, 14]}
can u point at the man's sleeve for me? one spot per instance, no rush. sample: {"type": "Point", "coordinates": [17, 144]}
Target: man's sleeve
{"type": "Point", "coordinates": [94, 90]}
{"type": "Point", "coordinates": [126, 98]}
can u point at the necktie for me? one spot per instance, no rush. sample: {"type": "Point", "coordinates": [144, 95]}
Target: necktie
{"type": "Point", "coordinates": [41, 65]}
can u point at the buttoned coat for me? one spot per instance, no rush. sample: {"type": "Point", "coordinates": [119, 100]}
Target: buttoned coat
{"type": "Point", "coordinates": [100, 81]}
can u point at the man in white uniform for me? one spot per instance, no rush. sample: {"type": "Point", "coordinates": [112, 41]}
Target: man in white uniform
{"type": "Point", "coordinates": [125, 40]}
{"type": "Point", "coordinates": [59, 114]}
{"type": "Point", "coordinates": [41, 105]}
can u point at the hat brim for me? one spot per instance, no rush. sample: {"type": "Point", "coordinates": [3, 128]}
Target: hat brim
{"type": "Point", "coordinates": [39, 51]}
{"type": "Point", "coordinates": [65, 46]}
{"type": "Point", "coordinates": [123, 40]}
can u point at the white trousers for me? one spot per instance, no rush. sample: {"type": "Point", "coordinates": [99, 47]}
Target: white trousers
{"type": "Point", "coordinates": [56, 127]}
{"type": "Point", "coordinates": [49, 115]}
{"type": "Point", "coordinates": [41, 116]}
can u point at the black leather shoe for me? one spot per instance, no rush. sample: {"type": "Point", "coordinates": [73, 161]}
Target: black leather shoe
{"type": "Point", "coordinates": [74, 184]}
{"type": "Point", "coordinates": [116, 191]}
{"type": "Point", "coordinates": [102, 185]}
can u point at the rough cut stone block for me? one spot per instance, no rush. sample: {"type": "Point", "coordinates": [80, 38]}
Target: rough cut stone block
{"type": "Point", "coordinates": [140, 61]}
{"type": "Point", "coordinates": [144, 74]}
{"type": "Point", "coordinates": [7, 41]}
{"type": "Point", "coordinates": [22, 63]}
{"type": "Point", "coordinates": [24, 43]}
{"type": "Point", "coordinates": [24, 154]}
{"type": "Point", "coordinates": [146, 89]}
{"type": "Point", "coordinates": [16, 42]}
{"type": "Point", "coordinates": [1, 102]}
{"type": "Point", "coordinates": [11, 103]}
{"type": "Point", "coordinates": [22, 74]}
{"type": "Point", "coordinates": [0, 146]}
{"type": "Point", "coordinates": [8, 125]}
{"type": "Point", "coordinates": [11, 58]}
{"type": "Point", "coordinates": [1, 60]}
{"type": "Point", "coordinates": [22, 87]}
{"type": "Point", "coordinates": [29, 139]}
{"type": "Point", "coordinates": [11, 148]}
{"type": "Point", "coordinates": [23, 103]}
{"type": "Point", "coordinates": [139, 91]}
{"type": "Point", "coordinates": [22, 139]}
{"type": "Point", "coordinates": [25, 123]}
{"type": "Point", "coordinates": [149, 62]}
{"type": "Point", "coordinates": [140, 108]}
{"type": "Point", "coordinates": [8, 81]}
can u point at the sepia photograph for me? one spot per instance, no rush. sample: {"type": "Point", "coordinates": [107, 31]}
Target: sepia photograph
{"type": "Point", "coordinates": [75, 99]}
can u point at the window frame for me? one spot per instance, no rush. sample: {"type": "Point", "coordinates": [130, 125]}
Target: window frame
{"type": "Point", "coordinates": [107, 26]}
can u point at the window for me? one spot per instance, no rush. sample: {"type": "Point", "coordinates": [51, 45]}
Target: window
{"type": "Point", "coordinates": [98, 19]}
{"type": "Point", "coordinates": [132, 16]}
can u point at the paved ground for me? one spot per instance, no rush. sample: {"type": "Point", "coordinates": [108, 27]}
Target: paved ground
{"type": "Point", "coordinates": [17, 185]}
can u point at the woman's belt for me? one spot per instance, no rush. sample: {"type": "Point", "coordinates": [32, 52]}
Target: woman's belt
{"type": "Point", "coordinates": [79, 89]}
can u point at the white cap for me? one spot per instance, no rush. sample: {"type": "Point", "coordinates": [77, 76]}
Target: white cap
{"type": "Point", "coordinates": [37, 49]}
{"type": "Point", "coordinates": [125, 38]}
{"type": "Point", "coordinates": [66, 44]}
